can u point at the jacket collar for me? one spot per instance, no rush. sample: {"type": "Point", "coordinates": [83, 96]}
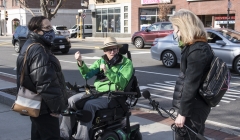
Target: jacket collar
{"type": "Point", "coordinates": [38, 38]}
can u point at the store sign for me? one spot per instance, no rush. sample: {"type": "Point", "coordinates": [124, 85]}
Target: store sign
{"type": "Point", "coordinates": [224, 18]}
{"type": "Point", "coordinates": [225, 22]}
{"type": "Point", "coordinates": [148, 18]}
{"type": "Point", "coordinates": [155, 1]}
{"type": "Point", "coordinates": [142, 17]}
{"type": "Point", "coordinates": [202, 0]}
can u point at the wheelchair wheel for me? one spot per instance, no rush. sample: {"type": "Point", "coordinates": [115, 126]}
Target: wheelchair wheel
{"type": "Point", "coordinates": [108, 136]}
{"type": "Point", "coordinates": [136, 135]}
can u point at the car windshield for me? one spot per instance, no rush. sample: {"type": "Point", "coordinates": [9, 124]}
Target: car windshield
{"type": "Point", "coordinates": [61, 28]}
{"type": "Point", "coordinates": [154, 27]}
{"type": "Point", "coordinates": [231, 35]}
{"type": "Point", "coordinates": [74, 27]}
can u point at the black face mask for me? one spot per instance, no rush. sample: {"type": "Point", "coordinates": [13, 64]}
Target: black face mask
{"type": "Point", "coordinates": [49, 35]}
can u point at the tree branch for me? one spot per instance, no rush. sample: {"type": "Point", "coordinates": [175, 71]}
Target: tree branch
{"type": "Point", "coordinates": [25, 7]}
{"type": "Point", "coordinates": [57, 7]}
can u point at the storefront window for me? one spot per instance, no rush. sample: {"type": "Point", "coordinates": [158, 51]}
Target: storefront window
{"type": "Point", "coordinates": [148, 16]}
{"type": "Point", "coordinates": [108, 20]}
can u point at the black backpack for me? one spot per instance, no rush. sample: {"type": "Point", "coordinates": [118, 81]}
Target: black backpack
{"type": "Point", "coordinates": [216, 82]}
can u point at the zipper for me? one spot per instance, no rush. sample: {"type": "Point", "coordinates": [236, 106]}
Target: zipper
{"type": "Point", "coordinates": [221, 86]}
{"type": "Point", "coordinates": [220, 70]}
{"type": "Point", "coordinates": [211, 68]}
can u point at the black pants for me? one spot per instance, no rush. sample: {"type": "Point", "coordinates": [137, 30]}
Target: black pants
{"type": "Point", "coordinates": [196, 122]}
{"type": "Point", "coordinates": [45, 127]}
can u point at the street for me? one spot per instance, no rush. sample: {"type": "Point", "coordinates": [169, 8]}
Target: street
{"type": "Point", "coordinates": [151, 74]}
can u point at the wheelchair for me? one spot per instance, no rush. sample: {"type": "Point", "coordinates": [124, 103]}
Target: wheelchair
{"type": "Point", "coordinates": [113, 122]}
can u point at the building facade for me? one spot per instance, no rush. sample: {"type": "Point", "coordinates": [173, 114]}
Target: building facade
{"type": "Point", "coordinates": [111, 18]}
{"type": "Point", "coordinates": [66, 14]}
{"type": "Point", "coordinates": [212, 13]}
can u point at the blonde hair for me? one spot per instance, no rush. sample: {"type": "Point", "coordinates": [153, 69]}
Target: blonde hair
{"type": "Point", "coordinates": [189, 25]}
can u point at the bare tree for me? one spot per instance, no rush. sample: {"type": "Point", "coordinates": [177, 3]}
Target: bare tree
{"type": "Point", "coordinates": [164, 10]}
{"type": "Point", "coordinates": [47, 12]}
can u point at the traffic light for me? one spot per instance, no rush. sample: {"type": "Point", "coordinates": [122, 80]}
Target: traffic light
{"type": "Point", "coordinates": [6, 15]}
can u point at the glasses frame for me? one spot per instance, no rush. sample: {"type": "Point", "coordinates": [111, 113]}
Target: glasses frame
{"type": "Point", "coordinates": [48, 28]}
{"type": "Point", "coordinates": [110, 50]}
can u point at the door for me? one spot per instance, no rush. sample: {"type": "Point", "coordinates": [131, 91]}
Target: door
{"type": "Point", "coordinates": [223, 52]}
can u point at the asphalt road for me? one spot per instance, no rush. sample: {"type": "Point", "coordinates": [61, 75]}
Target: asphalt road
{"type": "Point", "coordinates": [151, 74]}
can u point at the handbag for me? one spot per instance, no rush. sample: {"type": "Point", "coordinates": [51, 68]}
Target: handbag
{"type": "Point", "coordinates": [27, 102]}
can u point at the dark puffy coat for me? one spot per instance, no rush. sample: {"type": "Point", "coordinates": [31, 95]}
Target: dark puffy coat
{"type": "Point", "coordinates": [195, 63]}
{"type": "Point", "coordinates": [43, 75]}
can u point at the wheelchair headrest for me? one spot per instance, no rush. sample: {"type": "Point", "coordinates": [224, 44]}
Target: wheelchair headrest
{"type": "Point", "coordinates": [124, 49]}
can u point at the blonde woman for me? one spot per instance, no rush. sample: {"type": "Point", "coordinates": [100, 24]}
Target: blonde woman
{"type": "Point", "coordinates": [195, 62]}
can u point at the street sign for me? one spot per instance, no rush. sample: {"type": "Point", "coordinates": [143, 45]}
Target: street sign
{"type": "Point", "coordinates": [229, 4]}
{"type": "Point", "coordinates": [83, 15]}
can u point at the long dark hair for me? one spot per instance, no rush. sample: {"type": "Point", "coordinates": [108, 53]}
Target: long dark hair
{"type": "Point", "coordinates": [36, 23]}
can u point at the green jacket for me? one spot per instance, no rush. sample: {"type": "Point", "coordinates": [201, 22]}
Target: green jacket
{"type": "Point", "coordinates": [119, 74]}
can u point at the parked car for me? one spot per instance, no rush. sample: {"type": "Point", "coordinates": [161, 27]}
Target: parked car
{"type": "Point", "coordinates": [61, 30]}
{"type": "Point", "coordinates": [156, 30]}
{"type": "Point", "coordinates": [61, 43]}
{"type": "Point", "coordinates": [224, 42]}
{"type": "Point", "coordinates": [76, 28]}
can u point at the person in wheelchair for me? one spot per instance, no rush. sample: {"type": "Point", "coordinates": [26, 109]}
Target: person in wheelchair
{"type": "Point", "coordinates": [113, 72]}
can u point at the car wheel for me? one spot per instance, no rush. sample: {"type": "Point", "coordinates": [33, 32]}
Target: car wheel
{"type": "Point", "coordinates": [237, 65]}
{"type": "Point", "coordinates": [108, 136]}
{"type": "Point", "coordinates": [65, 51]}
{"type": "Point", "coordinates": [169, 59]}
{"type": "Point", "coordinates": [75, 35]}
{"type": "Point", "coordinates": [17, 47]}
{"type": "Point", "coordinates": [138, 42]}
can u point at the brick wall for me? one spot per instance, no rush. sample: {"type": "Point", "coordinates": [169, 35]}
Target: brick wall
{"type": "Point", "coordinates": [199, 8]}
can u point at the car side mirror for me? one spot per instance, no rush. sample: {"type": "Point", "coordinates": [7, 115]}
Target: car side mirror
{"type": "Point", "coordinates": [147, 30]}
{"type": "Point", "coordinates": [220, 42]}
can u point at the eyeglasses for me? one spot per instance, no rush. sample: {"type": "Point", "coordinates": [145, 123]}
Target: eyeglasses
{"type": "Point", "coordinates": [110, 50]}
{"type": "Point", "coordinates": [47, 28]}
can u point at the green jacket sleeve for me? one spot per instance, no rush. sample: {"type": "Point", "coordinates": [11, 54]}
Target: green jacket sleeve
{"type": "Point", "coordinates": [88, 73]}
{"type": "Point", "coordinates": [122, 76]}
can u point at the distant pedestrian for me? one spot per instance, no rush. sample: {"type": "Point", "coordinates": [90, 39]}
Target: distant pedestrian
{"type": "Point", "coordinates": [195, 63]}
{"type": "Point", "coordinates": [43, 75]}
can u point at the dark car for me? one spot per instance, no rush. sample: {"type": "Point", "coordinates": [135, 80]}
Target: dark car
{"type": "Point", "coordinates": [156, 30]}
{"type": "Point", "coordinates": [61, 43]}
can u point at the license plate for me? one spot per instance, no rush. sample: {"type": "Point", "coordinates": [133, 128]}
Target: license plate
{"type": "Point", "coordinates": [62, 46]}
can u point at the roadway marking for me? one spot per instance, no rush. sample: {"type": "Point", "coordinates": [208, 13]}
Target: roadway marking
{"type": "Point", "coordinates": [169, 88]}
{"type": "Point", "coordinates": [149, 107]}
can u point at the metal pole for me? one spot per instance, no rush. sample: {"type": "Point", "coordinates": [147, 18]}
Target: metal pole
{"type": "Point", "coordinates": [228, 13]}
{"type": "Point", "coordinates": [81, 27]}
{"type": "Point", "coordinates": [1, 23]}
{"type": "Point", "coordinates": [4, 20]}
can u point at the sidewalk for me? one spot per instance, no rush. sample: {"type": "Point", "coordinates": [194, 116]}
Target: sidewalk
{"type": "Point", "coordinates": [153, 127]}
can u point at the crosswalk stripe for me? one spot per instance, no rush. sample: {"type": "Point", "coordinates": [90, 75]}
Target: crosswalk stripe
{"type": "Point", "coordinates": [228, 98]}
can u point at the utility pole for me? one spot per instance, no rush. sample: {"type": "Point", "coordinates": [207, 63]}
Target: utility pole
{"type": "Point", "coordinates": [228, 10]}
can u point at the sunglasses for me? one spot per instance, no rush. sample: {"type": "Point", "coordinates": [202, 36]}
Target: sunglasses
{"type": "Point", "coordinates": [110, 50]}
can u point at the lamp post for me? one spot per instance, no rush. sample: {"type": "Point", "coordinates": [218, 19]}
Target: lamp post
{"type": "Point", "coordinates": [228, 10]}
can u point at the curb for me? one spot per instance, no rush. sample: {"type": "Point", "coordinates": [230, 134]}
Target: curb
{"type": "Point", "coordinates": [212, 131]}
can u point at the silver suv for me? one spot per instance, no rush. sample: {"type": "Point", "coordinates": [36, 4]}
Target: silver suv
{"type": "Point", "coordinates": [61, 30]}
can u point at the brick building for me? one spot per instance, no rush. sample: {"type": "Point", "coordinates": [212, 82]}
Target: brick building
{"type": "Point", "coordinates": [66, 14]}
{"type": "Point", "coordinates": [212, 13]}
